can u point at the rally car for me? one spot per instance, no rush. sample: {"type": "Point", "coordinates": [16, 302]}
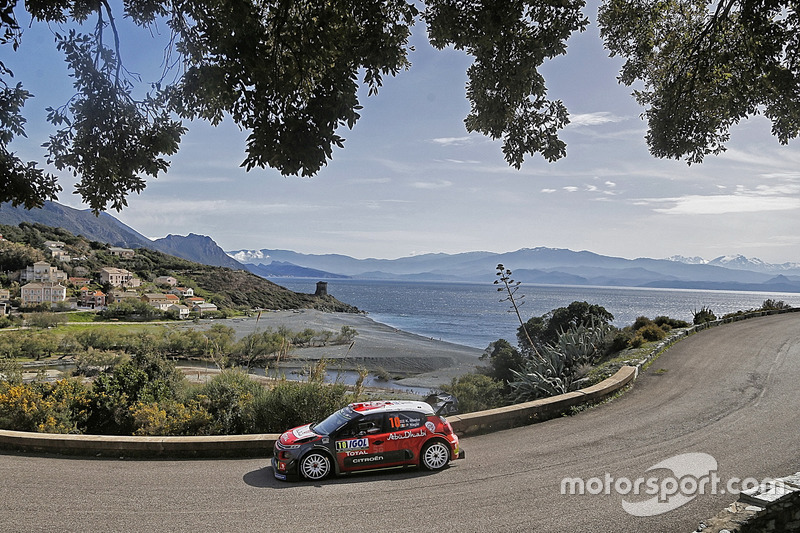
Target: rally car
{"type": "Point", "coordinates": [367, 435]}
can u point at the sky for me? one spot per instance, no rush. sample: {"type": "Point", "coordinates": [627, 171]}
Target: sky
{"type": "Point", "coordinates": [411, 180]}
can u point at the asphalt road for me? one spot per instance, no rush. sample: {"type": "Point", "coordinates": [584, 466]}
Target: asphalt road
{"type": "Point", "coordinates": [730, 392]}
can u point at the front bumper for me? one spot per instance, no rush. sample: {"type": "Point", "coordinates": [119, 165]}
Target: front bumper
{"type": "Point", "coordinates": [284, 470]}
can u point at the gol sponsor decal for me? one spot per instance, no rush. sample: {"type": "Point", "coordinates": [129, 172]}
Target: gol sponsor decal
{"type": "Point", "coordinates": [407, 435]}
{"type": "Point", "coordinates": [352, 444]}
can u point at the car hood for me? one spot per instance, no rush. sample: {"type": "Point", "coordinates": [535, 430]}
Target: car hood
{"type": "Point", "coordinates": [298, 434]}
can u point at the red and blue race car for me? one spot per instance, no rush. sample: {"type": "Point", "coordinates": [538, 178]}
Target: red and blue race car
{"type": "Point", "coordinates": [367, 435]}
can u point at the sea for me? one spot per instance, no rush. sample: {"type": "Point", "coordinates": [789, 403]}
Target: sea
{"type": "Point", "coordinates": [476, 314]}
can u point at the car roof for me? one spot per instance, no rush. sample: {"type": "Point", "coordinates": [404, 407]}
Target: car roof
{"type": "Point", "coordinates": [389, 406]}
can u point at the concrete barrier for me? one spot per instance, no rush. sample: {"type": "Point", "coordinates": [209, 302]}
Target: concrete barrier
{"type": "Point", "coordinates": [539, 410]}
{"type": "Point", "coordinates": [131, 446]}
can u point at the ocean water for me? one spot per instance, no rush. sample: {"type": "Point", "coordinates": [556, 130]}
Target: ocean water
{"type": "Point", "coordinates": [473, 315]}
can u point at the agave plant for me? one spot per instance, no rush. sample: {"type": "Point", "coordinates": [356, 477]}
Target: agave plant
{"type": "Point", "coordinates": [553, 370]}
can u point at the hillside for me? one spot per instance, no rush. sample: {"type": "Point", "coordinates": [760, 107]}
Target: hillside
{"type": "Point", "coordinates": [107, 229]}
{"type": "Point", "coordinates": [225, 287]}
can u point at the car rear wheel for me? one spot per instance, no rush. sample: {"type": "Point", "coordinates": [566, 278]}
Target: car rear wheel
{"type": "Point", "coordinates": [315, 466]}
{"type": "Point", "coordinates": [435, 455]}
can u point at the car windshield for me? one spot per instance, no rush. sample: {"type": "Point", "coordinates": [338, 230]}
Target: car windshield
{"type": "Point", "coordinates": [334, 422]}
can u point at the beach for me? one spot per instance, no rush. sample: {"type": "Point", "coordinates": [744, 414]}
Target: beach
{"type": "Point", "coordinates": [418, 361]}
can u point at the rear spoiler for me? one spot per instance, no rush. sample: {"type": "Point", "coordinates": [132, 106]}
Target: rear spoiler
{"type": "Point", "coordinates": [443, 404]}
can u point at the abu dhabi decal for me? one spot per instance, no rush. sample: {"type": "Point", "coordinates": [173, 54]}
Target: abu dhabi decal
{"type": "Point", "coordinates": [408, 435]}
{"type": "Point", "coordinates": [352, 444]}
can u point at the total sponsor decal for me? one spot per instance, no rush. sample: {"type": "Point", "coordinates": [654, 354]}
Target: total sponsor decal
{"type": "Point", "coordinates": [352, 444]}
{"type": "Point", "coordinates": [408, 435]}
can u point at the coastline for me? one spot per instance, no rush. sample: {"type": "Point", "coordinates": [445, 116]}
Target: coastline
{"type": "Point", "coordinates": [425, 362]}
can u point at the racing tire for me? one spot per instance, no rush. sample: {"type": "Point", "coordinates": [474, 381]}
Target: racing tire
{"type": "Point", "coordinates": [435, 455]}
{"type": "Point", "coordinates": [315, 466]}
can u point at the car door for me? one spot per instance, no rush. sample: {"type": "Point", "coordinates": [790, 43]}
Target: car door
{"type": "Point", "coordinates": [359, 443]}
{"type": "Point", "coordinates": [406, 435]}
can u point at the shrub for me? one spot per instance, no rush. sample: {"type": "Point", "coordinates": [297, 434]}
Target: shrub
{"type": "Point", "coordinates": [770, 305]}
{"type": "Point", "coordinates": [651, 332]}
{"type": "Point", "coordinates": [641, 322]}
{"type": "Point", "coordinates": [229, 398]}
{"type": "Point", "coordinates": [705, 314]}
{"type": "Point", "coordinates": [171, 418]}
{"type": "Point", "coordinates": [476, 392]}
{"type": "Point", "coordinates": [620, 341]}
{"type": "Point", "coordinates": [61, 407]}
{"type": "Point", "coordinates": [673, 323]}
{"type": "Point", "coordinates": [291, 403]}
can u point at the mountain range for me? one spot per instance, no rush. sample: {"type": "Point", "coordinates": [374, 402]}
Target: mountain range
{"type": "Point", "coordinates": [549, 266]}
{"type": "Point", "coordinates": [537, 265]}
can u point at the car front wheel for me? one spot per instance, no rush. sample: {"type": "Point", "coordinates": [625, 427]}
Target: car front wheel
{"type": "Point", "coordinates": [435, 455]}
{"type": "Point", "coordinates": [315, 466]}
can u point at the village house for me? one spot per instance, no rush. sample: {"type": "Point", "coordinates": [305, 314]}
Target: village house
{"type": "Point", "coordinates": [91, 298]}
{"type": "Point", "coordinates": [118, 295]}
{"type": "Point", "coordinates": [204, 308]}
{"type": "Point", "coordinates": [160, 301]}
{"type": "Point", "coordinates": [183, 291]}
{"type": "Point", "coordinates": [5, 295]}
{"type": "Point", "coordinates": [119, 277]}
{"type": "Point", "coordinates": [181, 311]}
{"type": "Point", "coordinates": [42, 271]}
{"type": "Point", "coordinates": [194, 300]}
{"type": "Point", "coordinates": [38, 292]}
{"type": "Point", "coordinates": [125, 253]}
{"type": "Point", "coordinates": [78, 282]}
{"type": "Point", "coordinates": [165, 280]}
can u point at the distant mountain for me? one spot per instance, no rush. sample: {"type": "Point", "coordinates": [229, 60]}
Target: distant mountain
{"type": "Point", "coordinates": [197, 248]}
{"type": "Point", "coordinates": [551, 266]}
{"type": "Point", "coordinates": [108, 229]}
{"type": "Point", "coordinates": [280, 269]}
{"type": "Point", "coordinates": [104, 228]}
{"type": "Point", "coordinates": [740, 262]}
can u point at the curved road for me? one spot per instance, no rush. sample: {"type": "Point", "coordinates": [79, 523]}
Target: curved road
{"type": "Point", "coordinates": [730, 392]}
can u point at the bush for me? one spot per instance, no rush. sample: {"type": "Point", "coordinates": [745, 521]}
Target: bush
{"type": "Point", "coordinates": [651, 332]}
{"type": "Point", "coordinates": [61, 407]}
{"type": "Point", "coordinates": [292, 403]}
{"type": "Point", "coordinates": [171, 418]}
{"type": "Point", "coordinates": [229, 399]}
{"type": "Point", "coordinates": [641, 322]}
{"type": "Point", "coordinates": [705, 314]}
{"type": "Point", "coordinates": [620, 341]}
{"type": "Point", "coordinates": [770, 305]}
{"type": "Point", "coordinates": [476, 392]}
{"type": "Point", "coordinates": [673, 323]}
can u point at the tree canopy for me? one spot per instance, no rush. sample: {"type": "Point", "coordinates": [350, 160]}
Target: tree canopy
{"type": "Point", "coordinates": [289, 71]}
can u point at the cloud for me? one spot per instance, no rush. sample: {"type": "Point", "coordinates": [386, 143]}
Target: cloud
{"type": "Point", "coordinates": [454, 141]}
{"type": "Point", "coordinates": [594, 119]}
{"type": "Point", "coordinates": [442, 184]}
{"type": "Point", "coordinates": [744, 202]}
{"type": "Point", "coordinates": [570, 188]}
{"type": "Point", "coordinates": [548, 191]}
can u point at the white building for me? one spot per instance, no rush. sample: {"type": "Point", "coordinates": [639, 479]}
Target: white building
{"type": "Point", "coordinates": [42, 292]}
